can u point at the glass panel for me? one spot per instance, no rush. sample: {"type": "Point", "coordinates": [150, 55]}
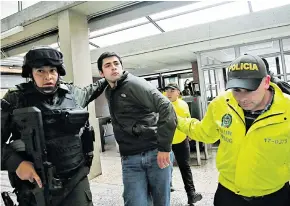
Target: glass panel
{"type": "Point", "coordinates": [261, 48]}
{"type": "Point", "coordinates": [288, 78]}
{"type": "Point", "coordinates": [12, 61]}
{"type": "Point", "coordinates": [189, 7]}
{"type": "Point", "coordinates": [209, 81]}
{"type": "Point", "coordinates": [259, 5]}
{"type": "Point", "coordinates": [286, 44]}
{"type": "Point", "coordinates": [26, 4]}
{"type": "Point", "coordinates": [204, 16]}
{"type": "Point", "coordinates": [220, 80]}
{"type": "Point", "coordinates": [8, 8]}
{"type": "Point", "coordinates": [275, 65]}
{"type": "Point", "coordinates": [119, 26]}
{"type": "Point", "coordinates": [287, 62]}
{"type": "Point", "coordinates": [168, 80]}
{"type": "Point", "coordinates": [183, 78]}
{"type": "Point", "coordinates": [213, 83]}
{"type": "Point", "coordinates": [126, 35]}
{"type": "Point", "coordinates": [8, 81]}
{"type": "Point", "coordinates": [218, 56]}
{"type": "Point", "coordinates": [154, 82]}
{"type": "Point", "coordinates": [206, 79]}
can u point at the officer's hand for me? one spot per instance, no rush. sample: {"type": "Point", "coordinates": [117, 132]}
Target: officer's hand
{"type": "Point", "coordinates": [26, 171]}
{"type": "Point", "coordinates": [163, 159]}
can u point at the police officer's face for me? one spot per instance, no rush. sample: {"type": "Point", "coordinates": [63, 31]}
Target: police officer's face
{"type": "Point", "coordinates": [112, 69]}
{"type": "Point", "coordinates": [172, 94]}
{"type": "Point", "coordinates": [253, 100]}
{"type": "Point", "coordinates": [45, 76]}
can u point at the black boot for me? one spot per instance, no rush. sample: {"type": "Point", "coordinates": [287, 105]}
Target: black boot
{"type": "Point", "coordinates": [193, 197]}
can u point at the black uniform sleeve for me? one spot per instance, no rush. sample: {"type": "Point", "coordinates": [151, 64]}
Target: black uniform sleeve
{"type": "Point", "coordinates": [10, 159]}
{"type": "Point", "coordinates": [284, 86]}
{"type": "Point", "coordinates": [151, 98]}
{"type": "Point", "coordinates": [89, 93]}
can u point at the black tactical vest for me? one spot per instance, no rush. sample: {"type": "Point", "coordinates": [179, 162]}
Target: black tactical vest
{"type": "Point", "coordinates": [62, 120]}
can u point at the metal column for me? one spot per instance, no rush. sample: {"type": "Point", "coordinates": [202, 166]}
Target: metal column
{"type": "Point", "coordinates": [203, 99]}
{"type": "Point", "coordinates": [283, 59]}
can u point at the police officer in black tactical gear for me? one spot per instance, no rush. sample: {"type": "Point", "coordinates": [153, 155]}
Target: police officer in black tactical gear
{"type": "Point", "coordinates": [45, 91]}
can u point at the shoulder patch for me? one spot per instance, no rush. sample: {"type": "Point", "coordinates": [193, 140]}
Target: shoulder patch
{"type": "Point", "coordinates": [226, 120]}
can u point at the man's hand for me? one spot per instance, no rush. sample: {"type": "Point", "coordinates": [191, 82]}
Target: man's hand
{"type": "Point", "coordinates": [26, 171]}
{"type": "Point", "coordinates": [163, 159]}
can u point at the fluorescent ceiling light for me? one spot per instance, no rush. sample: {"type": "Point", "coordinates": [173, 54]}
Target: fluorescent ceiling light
{"type": "Point", "coordinates": [12, 31]}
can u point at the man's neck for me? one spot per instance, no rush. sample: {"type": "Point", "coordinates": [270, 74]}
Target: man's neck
{"type": "Point", "coordinates": [266, 100]}
{"type": "Point", "coordinates": [112, 84]}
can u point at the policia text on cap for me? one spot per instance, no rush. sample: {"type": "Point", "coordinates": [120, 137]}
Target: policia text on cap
{"type": "Point", "coordinates": [252, 122]}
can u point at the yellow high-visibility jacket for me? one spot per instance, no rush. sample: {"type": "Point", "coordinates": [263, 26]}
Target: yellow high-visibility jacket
{"type": "Point", "coordinates": [182, 110]}
{"type": "Point", "coordinates": [252, 163]}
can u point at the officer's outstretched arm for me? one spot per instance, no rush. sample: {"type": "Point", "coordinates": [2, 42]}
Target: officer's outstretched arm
{"type": "Point", "coordinates": [203, 131]}
{"type": "Point", "coordinates": [89, 93]}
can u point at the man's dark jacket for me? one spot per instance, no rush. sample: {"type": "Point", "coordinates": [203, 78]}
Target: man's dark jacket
{"type": "Point", "coordinates": [284, 86]}
{"type": "Point", "coordinates": [143, 119]}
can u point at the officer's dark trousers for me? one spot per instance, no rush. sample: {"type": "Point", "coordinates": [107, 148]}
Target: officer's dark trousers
{"type": "Point", "coordinates": [182, 155]}
{"type": "Point", "coordinates": [225, 197]}
{"type": "Point", "coordinates": [80, 195]}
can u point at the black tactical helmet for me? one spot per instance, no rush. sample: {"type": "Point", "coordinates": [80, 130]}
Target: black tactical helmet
{"type": "Point", "coordinates": [42, 56]}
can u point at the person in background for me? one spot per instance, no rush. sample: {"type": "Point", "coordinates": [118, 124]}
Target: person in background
{"type": "Point", "coordinates": [180, 143]}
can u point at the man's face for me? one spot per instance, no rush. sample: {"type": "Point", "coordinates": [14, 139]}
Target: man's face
{"type": "Point", "coordinates": [252, 100]}
{"type": "Point", "coordinates": [112, 69]}
{"type": "Point", "coordinates": [45, 76]}
{"type": "Point", "coordinates": [172, 94]}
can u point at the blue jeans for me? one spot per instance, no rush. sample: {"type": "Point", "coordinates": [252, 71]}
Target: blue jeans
{"type": "Point", "coordinates": [172, 158]}
{"type": "Point", "coordinates": [143, 180]}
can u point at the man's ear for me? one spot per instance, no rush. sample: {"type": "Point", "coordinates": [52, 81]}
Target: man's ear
{"type": "Point", "coordinates": [101, 74]}
{"type": "Point", "coordinates": [267, 81]}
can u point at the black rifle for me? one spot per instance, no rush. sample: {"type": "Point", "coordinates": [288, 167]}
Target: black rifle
{"type": "Point", "coordinates": [29, 121]}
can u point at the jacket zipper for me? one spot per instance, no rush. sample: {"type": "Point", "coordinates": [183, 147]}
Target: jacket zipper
{"type": "Point", "coordinates": [237, 113]}
{"type": "Point", "coordinates": [272, 115]}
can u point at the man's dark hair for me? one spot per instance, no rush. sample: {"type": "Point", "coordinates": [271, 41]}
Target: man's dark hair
{"type": "Point", "coordinates": [106, 55]}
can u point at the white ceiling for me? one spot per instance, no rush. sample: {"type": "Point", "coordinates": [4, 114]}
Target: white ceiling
{"type": "Point", "coordinates": [160, 53]}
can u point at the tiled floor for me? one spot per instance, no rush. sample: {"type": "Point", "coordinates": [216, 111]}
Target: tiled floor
{"type": "Point", "coordinates": [107, 188]}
